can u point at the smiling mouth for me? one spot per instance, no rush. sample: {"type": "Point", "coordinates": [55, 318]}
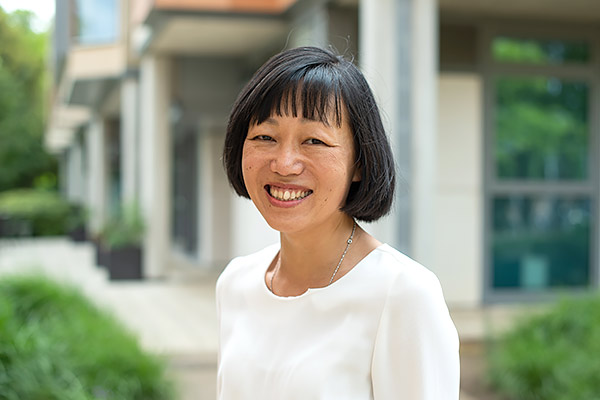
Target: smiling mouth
{"type": "Point", "coordinates": [287, 194]}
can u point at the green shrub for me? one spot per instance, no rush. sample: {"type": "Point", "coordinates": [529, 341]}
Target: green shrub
{"type": "Point", "coordinates": [554, 356]}
{"type": "Point", "coordinates": [55, 345]}
{"type": "Point", "coordinates": [45, 213]}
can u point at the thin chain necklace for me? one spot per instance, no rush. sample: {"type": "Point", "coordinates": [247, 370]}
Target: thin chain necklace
{"type": "Point", "coordinates": [348, 243]}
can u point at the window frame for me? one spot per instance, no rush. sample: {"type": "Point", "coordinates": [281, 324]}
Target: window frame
{"type": "Point", "coordinates": [492, 187]}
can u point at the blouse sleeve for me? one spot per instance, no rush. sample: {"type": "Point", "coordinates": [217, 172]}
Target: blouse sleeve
{"type": "Point", "coordinates": [416, 348]}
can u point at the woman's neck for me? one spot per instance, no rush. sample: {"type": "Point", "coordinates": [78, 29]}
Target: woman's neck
{"type": "Point", "coordinates": [309, 259]}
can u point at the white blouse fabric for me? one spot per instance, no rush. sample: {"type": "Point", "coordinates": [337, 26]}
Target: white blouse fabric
{"type": "Point", "coordinates": [382, 331]}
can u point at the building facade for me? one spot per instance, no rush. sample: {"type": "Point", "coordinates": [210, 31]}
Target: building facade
{"type": "Point", "coordinates": [492, 109]}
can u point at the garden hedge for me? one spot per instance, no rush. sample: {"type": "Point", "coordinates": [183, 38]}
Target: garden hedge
{"type": "Point", "coordinates": [552, 356]}
{"type": "Point", "coordinates": [56, 345]}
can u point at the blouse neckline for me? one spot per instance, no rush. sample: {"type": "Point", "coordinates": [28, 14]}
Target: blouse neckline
{"type": "Point", "coordinates": [273, 252]}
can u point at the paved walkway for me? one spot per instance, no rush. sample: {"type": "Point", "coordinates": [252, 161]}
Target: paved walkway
{"type": "Point", "coordinates": [176, 318]}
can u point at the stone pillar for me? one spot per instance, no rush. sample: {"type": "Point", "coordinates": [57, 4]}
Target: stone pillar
{"type": "Point", "coordinates": [74, 173]}
{"type": "Point", "coordinates": [155, 163]}
{"type": "Point", "coordinates": [309, 25]}
{"type": "Point", "coordinates": [424, 54]}
{"type": "Point", "coordinates": [398, 53]}
{"type": "Point", "coordinates": [383, 52]}
{"type": "Point", "coordinates": [97, 174]}
{"type": "Point", "coordinates": [129, 139]}
{"type": "Point", "coordinates": [64, 173]}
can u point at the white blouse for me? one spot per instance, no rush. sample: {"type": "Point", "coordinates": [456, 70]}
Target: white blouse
{"type": "Point", "coordinates": [382, 331]}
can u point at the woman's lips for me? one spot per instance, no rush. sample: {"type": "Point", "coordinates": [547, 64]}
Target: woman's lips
{"type": "Point", "coordinates": [287, 194]}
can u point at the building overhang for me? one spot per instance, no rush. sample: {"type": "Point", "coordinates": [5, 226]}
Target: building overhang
{"type": "Point", "coordinates": [210, 34]}
{"type": "Point", "coordinates": [90, 92]}
{"type": "Point", "coordinates": [90, 73]}
{"type": "Point", "coordinates": [62, 125]}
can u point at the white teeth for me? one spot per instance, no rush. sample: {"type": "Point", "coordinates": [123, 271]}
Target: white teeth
{"type": "Point", "coordinates": [288, 195]}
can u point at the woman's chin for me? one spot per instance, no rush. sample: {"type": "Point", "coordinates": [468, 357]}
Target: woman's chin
{"type": "Point", "coordinates": [283, 225]}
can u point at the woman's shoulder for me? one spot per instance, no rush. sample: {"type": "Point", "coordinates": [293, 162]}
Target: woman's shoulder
{"type": "Point", "coordinates": [414, 293]}
{"type": "Point", "coordinates": [403, 274]}
{"type": "Point", "coordinates": [243, 266]}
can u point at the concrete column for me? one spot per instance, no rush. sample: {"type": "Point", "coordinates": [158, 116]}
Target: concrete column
{"type": "Point", "coordinates": [424, 53]}
{"type": "Point", "coordinates": [309, 25]}
{"type": "Point", "coordinates": [74, 173]}
{"type": "Point", "coordinates": [64, 173]}
{"type": "Point", "coordinates": [384, 45]}
{"type": "Point", "coordinates": [129, 140]}
{"type": "Point", "coordinates": [398, 53]}
{"type": "Point", "coordinates": [155, 163]}
{"type": "Point", "coordinates": [97, 174]}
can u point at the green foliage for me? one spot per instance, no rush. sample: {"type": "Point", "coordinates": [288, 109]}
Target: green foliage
{"type": "Point", "coordinates": [126, 228]}
{"type": "Point", "coordinates": [56, 345]}
{"type": "Point", "coordinates": [553, 356]}
{"type": "Point", "coordinates": [45, 212]}
{"type": "Point", "coordinates": [23, 80]}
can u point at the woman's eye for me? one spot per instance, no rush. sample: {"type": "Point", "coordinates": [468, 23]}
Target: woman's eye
{"type": "Point", "coordinates": [314, 141]}
{"type": "Point", "coordinates": [262, 137]}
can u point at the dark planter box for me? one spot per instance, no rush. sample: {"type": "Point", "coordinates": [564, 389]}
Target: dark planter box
{"type": "Point", "coordinates": [102, 254]}
{"type": "Point", "coordinates": [78, 234]}
{"type": "Point", "coordinates": [125, 263]}
{"type": "Point", "coordinates": [13, 228]}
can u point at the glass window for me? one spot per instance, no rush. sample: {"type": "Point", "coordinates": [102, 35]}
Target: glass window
{"type": "Point", "coordinates": [540, 51]}
{"type": "Point", "coordinates": [540, 242]}
{"type": "Point", "coordinates": [542, 128]}
{"type": "Point", "coordinates": [97, 21]}
{"type": "Point", "coordinates": [542, 195]}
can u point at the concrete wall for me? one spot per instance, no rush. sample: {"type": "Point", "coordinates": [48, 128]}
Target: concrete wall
{"type": "Point", "coordinates": [458, 240]}
{"type": "Point", "coordinates": [343, 30]}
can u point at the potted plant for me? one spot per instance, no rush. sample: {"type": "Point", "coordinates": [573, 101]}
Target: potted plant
{"type": "Point", "coordinates": [122, 236]}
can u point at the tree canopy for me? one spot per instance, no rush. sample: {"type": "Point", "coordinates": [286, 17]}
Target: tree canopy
{"type": "Point", "coordinates": [23, 77]}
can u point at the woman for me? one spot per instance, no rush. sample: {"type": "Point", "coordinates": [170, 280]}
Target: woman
{"type": "Point", "coordinates": [329, 312]}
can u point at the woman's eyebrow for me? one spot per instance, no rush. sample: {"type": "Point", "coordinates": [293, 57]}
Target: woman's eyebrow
{"type": "Point", "coordinates": [273, 121]}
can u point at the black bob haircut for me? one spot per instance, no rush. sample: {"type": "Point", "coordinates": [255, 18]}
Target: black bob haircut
{"type": "Point", "coordinates": [321, 85]}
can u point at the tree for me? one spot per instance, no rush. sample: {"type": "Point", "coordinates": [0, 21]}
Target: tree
{"type": "Point", "coordinates": [23, 77]}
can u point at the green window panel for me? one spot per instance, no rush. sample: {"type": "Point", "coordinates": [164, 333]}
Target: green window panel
{"type": "Point", "coordinates": [541, 242]}
{"type": "Point", "coordinates": [542, 128]}
{"type": "Point", "coordinates": [540, 51]}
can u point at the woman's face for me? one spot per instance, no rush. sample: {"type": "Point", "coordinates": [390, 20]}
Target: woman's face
{"type": "Point", "coordinates": [298, 171]}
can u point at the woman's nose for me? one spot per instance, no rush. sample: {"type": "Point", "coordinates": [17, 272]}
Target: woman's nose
{"type": "Point", "coordinates": [287, 161]}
